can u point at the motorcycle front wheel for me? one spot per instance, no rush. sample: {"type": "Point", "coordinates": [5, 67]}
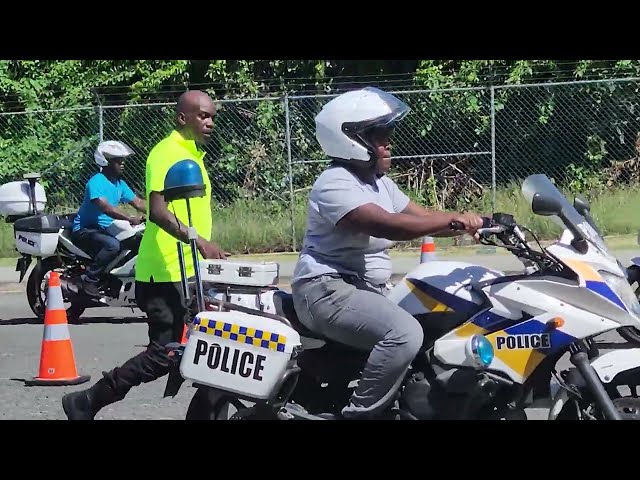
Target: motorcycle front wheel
{"type": "Point", "coordinates": [630, 334]}
{"type": "Point", "coordinates": [37, 285]}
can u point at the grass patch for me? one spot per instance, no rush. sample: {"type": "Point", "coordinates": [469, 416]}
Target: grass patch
{"type": "Point", "coordinates": [8, 262]}
{"type": "Point", "coordinates": [259, 227]}
{"type": "Point", "coordinates": [256, 227]}
{"type": "Point", "coordinates": [7, 241]}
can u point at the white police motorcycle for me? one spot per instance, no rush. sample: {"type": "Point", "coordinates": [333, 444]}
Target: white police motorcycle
{"type": "Point", "coordinates": [492, 341]}
{"type": "Point", "coordinates": [47, 237]}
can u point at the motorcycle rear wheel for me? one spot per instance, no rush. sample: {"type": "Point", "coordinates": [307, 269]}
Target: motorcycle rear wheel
{"type": "Point", "coordinates": [36, 295]}
{"type": "Point", "coordinates": [204, 407]}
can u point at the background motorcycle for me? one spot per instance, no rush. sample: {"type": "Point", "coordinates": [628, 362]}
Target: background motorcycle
{"type": "Point", "coordinates": [117, 285]}
{"type": "Point", "coordinates": [47, 238]}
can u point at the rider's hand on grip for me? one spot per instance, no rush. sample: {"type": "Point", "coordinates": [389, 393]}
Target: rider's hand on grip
{"type": "Point", "coordinates": [469, 222]}
{"type": "Point", "coordinates": [135, 220]}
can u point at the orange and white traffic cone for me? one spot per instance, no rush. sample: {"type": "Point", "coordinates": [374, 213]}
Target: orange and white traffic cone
{"type": "Point", "coordinates": [183, 341]}
{"type": "Point", "coordinates": [57, 361]}
{"type": "Point", "coordinates": [427, 250]}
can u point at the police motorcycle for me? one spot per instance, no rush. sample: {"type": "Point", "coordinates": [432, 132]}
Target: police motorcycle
{"type": "Point", "coordinates": [492, 341]}
{"type": "Point", "coordinates": [47, 237]}
{"type": "Point", "coordinates": [629, 333]}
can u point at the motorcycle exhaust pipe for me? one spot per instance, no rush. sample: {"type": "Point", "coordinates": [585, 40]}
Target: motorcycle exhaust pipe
{"type": "Point", "coordinates": [581, 361]}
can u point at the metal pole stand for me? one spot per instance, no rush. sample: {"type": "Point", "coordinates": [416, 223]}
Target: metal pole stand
{"type": "Point", "coordinates": [193, 236]}
{"type": "Point", "coordinates": [184, 181]}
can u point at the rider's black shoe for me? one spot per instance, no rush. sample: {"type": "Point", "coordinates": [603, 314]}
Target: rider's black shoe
{"type": "Point", "coordinates": [91, 289]}
{"type": "Point", "coordinates": [87, 287]}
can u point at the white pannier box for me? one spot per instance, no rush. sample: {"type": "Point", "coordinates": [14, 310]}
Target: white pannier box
{"type": "Point", "coordinates": [15, 198]}
{"type": "Point", "coordinates": [250, 274]}
{"type": "Point", "coordinates": [258, 298]}
{"type": "Point", "coordinates": [37, 235]}
{"type": "Point", "coordinates": [244, 354]}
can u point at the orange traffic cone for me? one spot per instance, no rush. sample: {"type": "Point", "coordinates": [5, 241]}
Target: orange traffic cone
{"type": "Point", "coordinates": [428, 250]}
{"type": "Point", "coordinates": [57, 361]}
{"type": "Point", "coordinates": [184, 335]}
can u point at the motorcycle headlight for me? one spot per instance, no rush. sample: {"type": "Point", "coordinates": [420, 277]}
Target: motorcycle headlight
{"type": "Point", "coordinates": [621, 287]}
{"type": "Point", "coordinates": [480, 350]}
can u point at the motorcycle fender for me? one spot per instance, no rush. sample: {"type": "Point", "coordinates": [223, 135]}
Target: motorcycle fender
{"type": "Point", "coordinates": [23, 265]}
{"type": "Point", "coordinates": [607, 367]}
{"type": "Point", "coordinates": [174, 382]}
{"type": "Point", "coordinates": [612, 363]}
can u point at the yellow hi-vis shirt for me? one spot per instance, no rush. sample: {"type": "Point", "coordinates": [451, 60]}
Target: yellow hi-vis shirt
{"type": "Point", "coordinates": [158, 256]}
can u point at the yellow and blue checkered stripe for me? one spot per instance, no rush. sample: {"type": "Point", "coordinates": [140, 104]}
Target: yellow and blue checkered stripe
{"type": "Point", "coordinates": [250, 336]}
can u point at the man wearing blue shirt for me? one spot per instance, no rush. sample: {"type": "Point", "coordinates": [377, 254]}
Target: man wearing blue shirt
{"type": "Point", "coordinates": [103, 193]}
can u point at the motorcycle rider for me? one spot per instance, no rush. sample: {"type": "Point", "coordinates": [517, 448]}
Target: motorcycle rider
{"type": "Point", "coordinates": [355, 213]}
{"type": "Point", "coordinates": [103, 193]}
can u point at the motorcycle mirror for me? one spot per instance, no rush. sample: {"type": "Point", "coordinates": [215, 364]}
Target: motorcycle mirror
{"type": "Point", "coordinates": [545, 206]}
{"type": "Point", "coordinates": [581, 204]}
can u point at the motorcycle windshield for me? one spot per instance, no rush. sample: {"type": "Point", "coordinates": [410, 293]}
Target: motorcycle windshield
{"type": "Point", "coordinates": [540, 184]}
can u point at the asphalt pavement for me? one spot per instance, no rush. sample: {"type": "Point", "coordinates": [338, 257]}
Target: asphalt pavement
{"type": "Point", "coordinates": [108, 337]}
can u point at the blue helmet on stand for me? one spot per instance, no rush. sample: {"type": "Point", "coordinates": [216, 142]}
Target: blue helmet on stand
{"type": "Point", "coordinates": [184, 180]}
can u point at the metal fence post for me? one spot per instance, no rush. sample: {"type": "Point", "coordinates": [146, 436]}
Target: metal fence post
{"type": "Point", "coordinates": [291, 199]}
{"type": "Point", "coordinates": [100, 123]}
{"type": "Point", "coordinates": [493, 149]}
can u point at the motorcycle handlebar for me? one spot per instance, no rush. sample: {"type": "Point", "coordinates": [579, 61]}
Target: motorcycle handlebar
{"type": "Point", "coordinates": [456, 226]}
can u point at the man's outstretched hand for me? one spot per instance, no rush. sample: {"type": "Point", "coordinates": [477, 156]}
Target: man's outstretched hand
{"type": "Point", "coordinates": [210, 250]}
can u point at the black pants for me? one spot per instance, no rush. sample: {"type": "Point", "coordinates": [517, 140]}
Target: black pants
{"type": "Point", "coordinates": [102, 247]}
{"type": "Point", "coordinates": [167, 313]}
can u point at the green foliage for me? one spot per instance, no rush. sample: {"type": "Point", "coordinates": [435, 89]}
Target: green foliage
{"type": "Point", "coordinates": [572, 133]}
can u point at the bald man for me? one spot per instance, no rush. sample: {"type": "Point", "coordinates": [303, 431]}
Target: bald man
{"type": "Point", "coordinates": [158, 277]}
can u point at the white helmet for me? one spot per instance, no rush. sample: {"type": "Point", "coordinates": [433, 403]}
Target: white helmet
{"type": "Point", "coordinates": [111, 149]}
{"type": "Point", "coordinates": [342, 123]}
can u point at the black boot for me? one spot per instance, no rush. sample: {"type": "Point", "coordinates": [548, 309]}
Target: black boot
{"type": "Point", "coordinates": [84, 404]}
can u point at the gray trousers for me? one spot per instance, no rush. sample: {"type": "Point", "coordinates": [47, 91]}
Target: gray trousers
{"type": "Point", "coordinates": [353, 312]}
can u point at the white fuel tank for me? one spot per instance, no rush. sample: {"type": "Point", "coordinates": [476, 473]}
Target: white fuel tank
{"type": "Point", "coordinates": [440, 286]}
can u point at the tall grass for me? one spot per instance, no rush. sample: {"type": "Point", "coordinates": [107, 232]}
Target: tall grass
{"type": "Point", "coordinates": [264, 227]}
{"type": "Point", "coordinates": [258, 226]}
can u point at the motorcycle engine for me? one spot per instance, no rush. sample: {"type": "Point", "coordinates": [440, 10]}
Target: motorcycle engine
{"type": "Point", "coordinates": [415, 397]}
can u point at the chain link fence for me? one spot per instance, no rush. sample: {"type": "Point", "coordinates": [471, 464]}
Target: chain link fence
{"type": "Point", "coordinates": [457, 149]}
{"type": "Point", "coordinates": [55, 143]}
{"type": "Point", "coordinates": [584, 135]}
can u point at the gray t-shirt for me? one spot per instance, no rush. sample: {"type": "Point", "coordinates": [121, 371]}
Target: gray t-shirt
{"type": "Point", "coordinates": [329, 249]}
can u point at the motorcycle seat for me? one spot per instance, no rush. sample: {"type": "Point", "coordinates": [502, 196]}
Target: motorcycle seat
{"type": "Point", "coordinates": [66, 221]}
{"type": "Point", "coordinates": [283, 302]}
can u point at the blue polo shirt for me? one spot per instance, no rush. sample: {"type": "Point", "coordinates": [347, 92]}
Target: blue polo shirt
{"type": "Point", "coordinates": [114, 192]}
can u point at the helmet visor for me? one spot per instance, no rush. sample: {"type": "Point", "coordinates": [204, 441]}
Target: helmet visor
{"type": "Point", "coordinates": [396, 111]}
